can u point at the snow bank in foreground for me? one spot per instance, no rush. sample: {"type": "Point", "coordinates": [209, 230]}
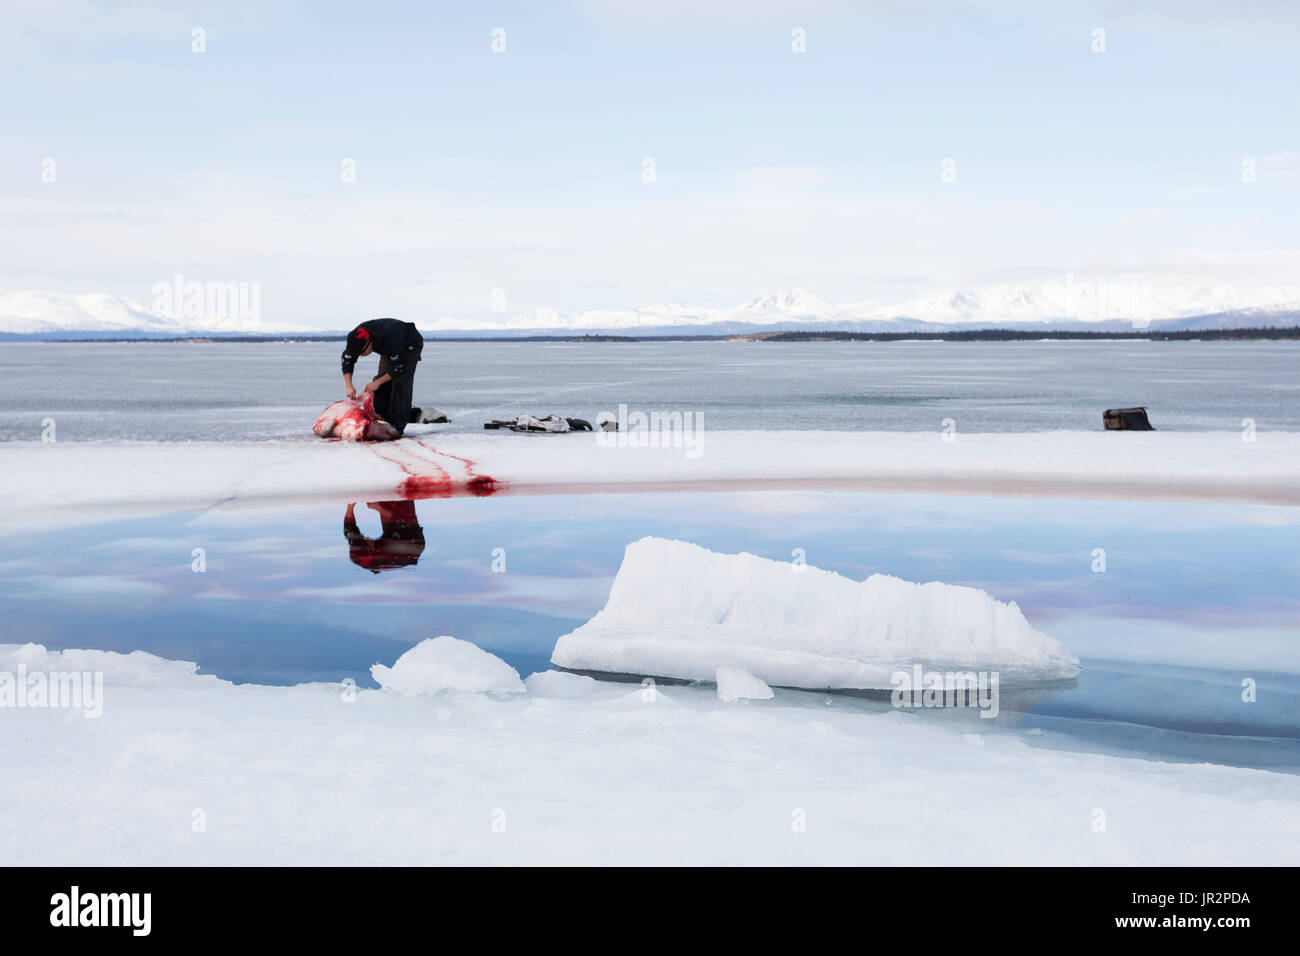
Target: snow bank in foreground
{"type": "Point", "coordinates": [447, 663]}
{"type": "Point", "coordinates": [287, 775]}
{"type": "Point", "coordinates": [679, 610]}
{"type": "Point", "coordinates": [136, 669]}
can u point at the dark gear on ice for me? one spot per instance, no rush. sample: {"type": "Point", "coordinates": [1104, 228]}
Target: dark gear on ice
{"type": "Point", "coordinates": [1127, 419]}
{"type": "Point", "coordinates": [398, 345]}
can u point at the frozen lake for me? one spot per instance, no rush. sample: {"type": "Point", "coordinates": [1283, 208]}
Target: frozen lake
{"type": "Point", "coordinates": [178, 391]}
{"type": "Point", "coordinates": [1194, 598]}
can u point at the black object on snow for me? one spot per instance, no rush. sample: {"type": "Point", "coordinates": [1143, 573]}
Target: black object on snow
{"type": "Point", "coordinates": [1127, 419]}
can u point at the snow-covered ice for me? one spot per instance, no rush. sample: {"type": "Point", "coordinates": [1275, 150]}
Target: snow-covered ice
{"type": "Point", "coordinates": [45, 481]}
{"type": "Point", "coordinates": [561, 684]}
{"type": "Point", "coordinates": [311, 774]}
{"type": "Point", "coordinates": [679, 610]}
{"type": "Point", "coordinates": [447, 663]}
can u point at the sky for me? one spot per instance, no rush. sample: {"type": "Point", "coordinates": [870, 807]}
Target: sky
{"type": "Point", "coordinates": [371, 159]}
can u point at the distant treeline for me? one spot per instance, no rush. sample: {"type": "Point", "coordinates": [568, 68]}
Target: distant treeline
{"type": "Point", "coordinates": [956, 335]}
{"type": "Point", "coordinates": [1019, 335]}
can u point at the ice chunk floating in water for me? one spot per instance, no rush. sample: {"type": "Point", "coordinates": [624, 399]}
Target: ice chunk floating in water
{"type": "Point", "coordinates": [679, 610]}
{"type": "Point", "coordinates": [353, 420]}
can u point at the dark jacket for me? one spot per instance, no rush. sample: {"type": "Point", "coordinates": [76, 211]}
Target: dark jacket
{"type": "Point", "coordinates": [392, 339]}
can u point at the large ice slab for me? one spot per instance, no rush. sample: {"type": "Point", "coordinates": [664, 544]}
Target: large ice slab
{"type": "Point", "coordinates": [682, 611]}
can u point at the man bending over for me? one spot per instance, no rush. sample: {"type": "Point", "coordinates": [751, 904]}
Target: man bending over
{"type": "Point", "coordinates": [398, 345]}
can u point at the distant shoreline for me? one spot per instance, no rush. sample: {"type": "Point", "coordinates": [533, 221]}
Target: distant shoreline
{"type": "Point", "coordinates": [964, 335]}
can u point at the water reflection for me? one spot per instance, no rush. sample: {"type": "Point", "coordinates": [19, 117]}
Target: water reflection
{"type": "Point", "coordinates": [1207, 598]}
{"type": "Point", "coordinates": [401, 539]}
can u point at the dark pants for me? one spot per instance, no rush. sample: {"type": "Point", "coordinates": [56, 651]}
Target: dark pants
{"type": "Point", "coordinates": [393, 398]}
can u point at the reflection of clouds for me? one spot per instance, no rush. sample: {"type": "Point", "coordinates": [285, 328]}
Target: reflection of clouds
{"type": "Point", "coordinates": [179, 546]}
{"type": "Point", "coordinates": [1272, 517]}
{"type": "Point", "coordinates": [825, 511]}
{"type": "Point", "coordinates": [224, 594]}
{"type": "Point", "coordinates": [276, 545]}
{"type": "Point", "coordinates": [570, 535]}
{"type": "Point", "coordinates": [931, 554]}
{"type": "Point", "coordinates": [556, 596]}
{"type": "Point", "coordinates": [560, 567]}
{"type": "Point", "coordinates": [1238, 647]}
{"type": "Point", "coordinates": [23, 567]}
{"type": "Point", "coordinates": [90, 587]}
{"type": "Point", "coordinates": [1259, 613]}
{"type": "Point", "coordinates": [376, 590]}
{"type": "Point", "coordinates": [779, 503]}
{"type": "Point", "coordinates": [1103, 596]}
{"type": "Point", "coordinates": [1037, 557]}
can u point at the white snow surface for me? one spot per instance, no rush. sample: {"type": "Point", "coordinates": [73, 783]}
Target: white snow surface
{"type": "Point", "coordinates": [43, 482]}
{"type": "Point", "coordinates": [448, 663]}
{"type": "Point", "coordinates": [562, 685]}
{"type": "Point", "coordinates": [290, 775]}
{"type": "Point", "coordinates": [682, 611]}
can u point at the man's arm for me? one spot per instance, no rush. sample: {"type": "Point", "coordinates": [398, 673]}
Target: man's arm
{"type": "Point", "coordinates": [348, 363]}
{"type": "Point", "coordinates": [375, 383]}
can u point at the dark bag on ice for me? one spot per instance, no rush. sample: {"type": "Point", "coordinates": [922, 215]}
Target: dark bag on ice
{"type": "Point", "coordinates": [1127, 419]}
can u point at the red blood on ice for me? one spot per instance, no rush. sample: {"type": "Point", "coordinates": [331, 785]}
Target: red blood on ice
{"type": "Point", "coordinates": [482, 485]}
{"type": "Point", "coordinates": [355, 420]}
{"type": "Point", "coordinates": [475, 483]}
{"type": "Point", "coordinates": [416, 458]}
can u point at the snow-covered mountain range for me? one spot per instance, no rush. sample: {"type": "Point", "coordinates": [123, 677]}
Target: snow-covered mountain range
{"type": "Point", "coordinates": [95, 315]}
{"type": "Point", "coordinates": [1060, 305]}
{"type": "Point", "coordinates": [1064, 305]}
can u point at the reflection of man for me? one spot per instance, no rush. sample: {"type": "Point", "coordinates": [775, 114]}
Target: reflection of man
{"type": "Point", "coordinates": [400, 543]}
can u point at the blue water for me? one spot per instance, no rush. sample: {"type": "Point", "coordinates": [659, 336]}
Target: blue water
{"type": "Point", "coordinates": [1194, 598]}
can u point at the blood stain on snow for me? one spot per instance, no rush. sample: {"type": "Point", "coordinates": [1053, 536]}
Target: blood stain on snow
{"type": "Point", "coordinates": [419, 483]}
